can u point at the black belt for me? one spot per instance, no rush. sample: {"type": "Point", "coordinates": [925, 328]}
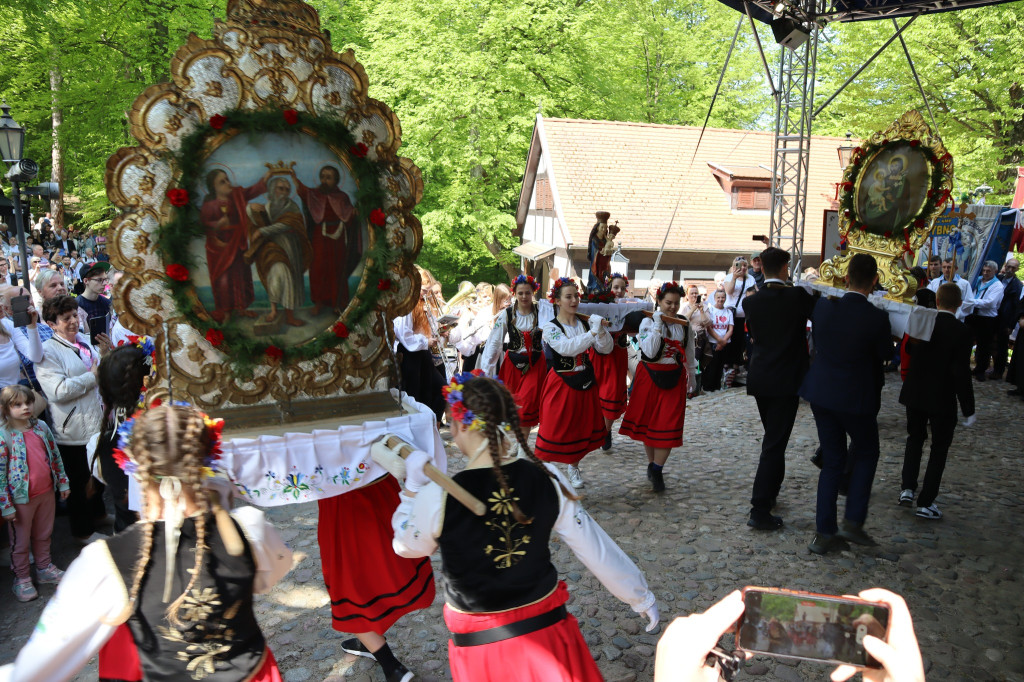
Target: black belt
{"type": "Point", "coordinates": [503, 632]}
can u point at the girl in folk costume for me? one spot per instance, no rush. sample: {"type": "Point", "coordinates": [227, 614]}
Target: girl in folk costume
{"type": "Point", "coordinates": [474, 329]}
{"type": "Point", "coordinates": [572, 424]}
{"type": "Point", "coordinates": [522, 364]}
{"type": "Point", "coordinates": [657, 407]}
{"type": "Point", "coordinates": [611, 369]}
{"type": "Point", "coordinates": [183, 579]}
{"type": "Point", "coordinates": [505, 605]}
{"type": "Point", "coordinates": [421, 378]}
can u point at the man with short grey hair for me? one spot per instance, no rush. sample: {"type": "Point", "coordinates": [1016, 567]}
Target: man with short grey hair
{"type": "Point", "coordinates": [987, 297]}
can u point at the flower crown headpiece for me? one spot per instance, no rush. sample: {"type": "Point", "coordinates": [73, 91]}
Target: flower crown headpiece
{"type": "Point", "coordinates": [665, 287]}
{"type": "Point", "coordinates": [143, 343]}
{"type": "Point", "coordinates": [615, 275]}
{"type": "Point", "coordinates": [557, 287]}
{"type": "Point", "coordinates": [525, 279]}
{"type": "Point", "coordinates": [453, 394]}
{"type": "Point", "coordinates": [127, 463]}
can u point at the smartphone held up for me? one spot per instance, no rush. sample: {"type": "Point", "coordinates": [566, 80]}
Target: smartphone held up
{"type": "Point", "coordinates": [810, 627]}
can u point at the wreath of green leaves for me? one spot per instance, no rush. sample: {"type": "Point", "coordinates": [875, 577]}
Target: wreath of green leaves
{"type": "Point", "coordinates": [175, 235]}
{"type": "Point", "coordinates": [934, 200]}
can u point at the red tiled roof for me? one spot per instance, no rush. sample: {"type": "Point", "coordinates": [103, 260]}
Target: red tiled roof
{"type": "Point", "coordinates": [638, 171]}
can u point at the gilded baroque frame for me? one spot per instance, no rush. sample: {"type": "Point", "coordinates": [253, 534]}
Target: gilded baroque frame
{"type": "Point", "coordinates": [908, 233]}
{"type": "Point", "coordinates": [269, 53]}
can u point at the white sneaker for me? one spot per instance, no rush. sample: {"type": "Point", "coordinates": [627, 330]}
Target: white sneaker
{"type": "Point", "coordinates": [906, 497]}
{"type": "Point", "coordinates": [575, 477]}
{"type": "Point", "coordinates": [929, 512]}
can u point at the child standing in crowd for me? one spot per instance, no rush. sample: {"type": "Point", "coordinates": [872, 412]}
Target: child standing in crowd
{"type": "Point", "coordinates": [182, 580]}
{"type": "Point", "coordinates": [571, 424]}
{"type": "Point", "coordinates": [657, 406]}
{"type": "Point", "coordinates": [719, 329]}
{"type": "Point", "coordinates": [30, 471]}
{"type": "Point", "coordinates": [505, 605]}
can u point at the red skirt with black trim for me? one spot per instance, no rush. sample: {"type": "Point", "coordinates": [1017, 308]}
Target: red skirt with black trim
{"type": "Point", "coordinates": [119, 661]}
{"type": "Point", "coordinates": [370, 586]}
{"type": "Point", "coordinates": [525, 388]}
{"type": "Point", "coordinates": [571, 422]}
{"type": "Point", "coordinates": [611, 371]}
{"type": "Point", "coordinates": [556, 653]}
{"type": "Point", "coordinates": [655, 416]}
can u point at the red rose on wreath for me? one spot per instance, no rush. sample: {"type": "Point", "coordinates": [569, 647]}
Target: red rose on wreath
{"type": "Point", "coordinates": [378, 217]}
{"type": "Point", "coordinates": [178, 197]}
{"type": "Point", "coordinates": [274, 353]}
{"type": "Point", "coordinates": [291, 117]}
{"type": "Point", "coordinates": [887, 234]}
{"type": "Point", "coordinates": [919, 223]}
{"type": "Point", "coordinates": [156, 402]}
{"type": "Point", "coordinates": [217, 121]}
{"type": "Point", "coordinates": [179, 273]}
{"type": "Point", "coordinates": [847, 186]}
{"type": "Point", "coordinates": [383, 284]}
{"type": "Point", "coordinates": [359, 149]}
{"type": "Point", "coordinates": [340, 330]}
{"type": "Point", "coordinates": [215, 337]}
{"type": "Point", "coordinates": [915, 143]}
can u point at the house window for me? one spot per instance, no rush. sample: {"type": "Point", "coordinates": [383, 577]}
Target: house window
{"type": "Point", "coordinates": [751, 198]}
{"type": "Point", "coordinates": [544, 199]}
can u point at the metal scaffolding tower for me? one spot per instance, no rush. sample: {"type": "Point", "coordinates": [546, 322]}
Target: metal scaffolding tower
{"type": "Point", "coordinates": [794, 107]}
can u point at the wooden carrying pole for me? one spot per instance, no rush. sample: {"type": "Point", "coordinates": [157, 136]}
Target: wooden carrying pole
{"type": "Point", "coordinates": [647, 313]}
{"type": "Point", "coordinates": [404, 449]}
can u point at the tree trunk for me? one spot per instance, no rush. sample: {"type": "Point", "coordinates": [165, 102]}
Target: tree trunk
{"type": "Point", "coordinates": [57, 154]}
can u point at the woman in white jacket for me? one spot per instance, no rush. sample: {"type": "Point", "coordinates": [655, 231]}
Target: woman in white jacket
{"type": "Point", "coordinates": [67, 375]}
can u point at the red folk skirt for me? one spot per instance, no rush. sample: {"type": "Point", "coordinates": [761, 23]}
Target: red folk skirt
{"type": "Point", "coordinates": [370, 586]}
{"type": "Point", "coordinates": [655, 416]}
{"type": "Point", "coordinates": [571, 422]}
{"type": "Point", "coordinates": [556, 653]}
{"type": "Point", "coordinates": [119, 661]}
{"type": "Point", "coordinates": [611, 371]}
{"type": "Point", "coordinates": [525, 388]}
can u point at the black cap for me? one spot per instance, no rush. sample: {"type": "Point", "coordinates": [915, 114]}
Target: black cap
{"type": "Point", "coordinates": [97, 268]}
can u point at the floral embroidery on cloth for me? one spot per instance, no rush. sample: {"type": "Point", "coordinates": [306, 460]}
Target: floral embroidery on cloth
{"type": "Point", "coordinates": [505, 525]}
{"type": "Point", "coordinates": [297, 485]}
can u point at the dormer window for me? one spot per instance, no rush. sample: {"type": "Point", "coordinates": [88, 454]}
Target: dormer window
{"type": "Point", "coordinates": [746, 188]}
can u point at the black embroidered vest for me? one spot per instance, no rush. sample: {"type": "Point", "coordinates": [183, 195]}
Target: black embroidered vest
{"type": "Point", "coordinates": [564, 365]}
{"type": "Point", "coordinates": [522, 358]}
{"type": "Point", "coordinates": [492, 562]}
{"type": "Point", "coordinates": [221, 640]}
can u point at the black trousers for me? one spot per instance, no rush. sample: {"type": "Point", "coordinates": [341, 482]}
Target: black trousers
{"type": "Point", "coordinates": [984, 338]}
{"type": "Point", "coordinates": [711, 379]}
{"type": "Point", "coordinates": [469, 361]}
{"type": "Point", "coordinates": [859, 458]}
{"type": "Point", "coordinates": [83, 509]}
{"type": "Point", "coordinates": [777, 416]}
{"type": "Point", "coordinates": [943, 426]}
{"type": "Point", "coordinates": [422, 380]}
{"type": "Point", "coordinates": [1001, 346]}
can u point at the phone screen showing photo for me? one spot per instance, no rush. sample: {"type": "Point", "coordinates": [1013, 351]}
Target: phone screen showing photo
{"type": "Point", "coordinates": [810, 627]}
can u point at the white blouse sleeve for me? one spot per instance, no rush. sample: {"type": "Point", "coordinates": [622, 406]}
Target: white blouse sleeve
{"type": "Point", "coordinates": [273, 558]}
{"type": "Point", "coordinates": [566, 345]}
{"type": "Point", "coordinates": [493, 348]}
{"type": "Point", "coordinates": [691, 359]}
{"type": "Point", "coordinates": [599, 553]}
{"type": "Point", "coordinates": [417, 522]}
{"type": "Point", "coordinates": [91, 601]}
{"type": "Point", "coordinates": [650, 336]}
{"type": "Point", "coordinates": [406, 335]}
{"type": "Point", "coordinates": [28, 344]}
{"type": "Point", "coordinates": [604, 342]}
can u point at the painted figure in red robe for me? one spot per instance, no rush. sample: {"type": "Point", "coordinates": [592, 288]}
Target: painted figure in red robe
{"type": "Point", "coordinates": [227, 237]}
{"type": "Point", "coordinates": [335, 238]}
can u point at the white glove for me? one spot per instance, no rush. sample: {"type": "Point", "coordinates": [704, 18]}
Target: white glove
{"type": "Point", "coordinates": [415, 476]}
{"type": "Point", "coordinates": [969, 421]}
{"type": "Point", "coordinates": [652, 615]}
{"type": "Point", "coordinates": [597, 325]}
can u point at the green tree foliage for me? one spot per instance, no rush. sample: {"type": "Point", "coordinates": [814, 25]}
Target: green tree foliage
{"type": "Point", "coordinates": [466, 80]}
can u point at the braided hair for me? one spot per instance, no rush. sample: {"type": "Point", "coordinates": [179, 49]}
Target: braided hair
{"type": "Point", "coordinates": [171, 441]}
{"type": "Point", "coordinates": [492, 403]}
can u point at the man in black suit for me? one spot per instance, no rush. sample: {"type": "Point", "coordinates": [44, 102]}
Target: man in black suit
{"type": "Point", "coordinates": [777, 320]}
{"type": "Point", "coordinates": [852, 342]}
{"type": "Point", "coordinates": [939, 376]}
{"type": "Point", "coordinates": [1006, 318]}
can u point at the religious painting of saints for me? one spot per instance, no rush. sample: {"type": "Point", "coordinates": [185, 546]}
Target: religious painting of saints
{"type": "Point", "coordinates": [892, 188]}
{"type": "Point", "coordinates": [283, 243]}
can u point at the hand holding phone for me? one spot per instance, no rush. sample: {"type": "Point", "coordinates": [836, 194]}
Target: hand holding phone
{"type": "Point", "coordinates": [899, 654]}
{"type": "Point", "coordinates": [684, 648]}
{"type": "Point", "coordinates": [21, 315]}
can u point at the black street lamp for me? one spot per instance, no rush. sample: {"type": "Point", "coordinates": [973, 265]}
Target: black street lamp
{"type": "Point", "coordinates": [12, 144]}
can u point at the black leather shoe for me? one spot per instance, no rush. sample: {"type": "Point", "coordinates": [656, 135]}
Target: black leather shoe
{"type": "Point", "coordinates": [607, 442]}
{"type": "Point", "coordinates": [650, 471]}
{"type": "Point", "coordinates": [816, 459]}
{"type": "Point", "coordinates": [854, 532]}
{"type": "Point", "coordinates": [764, 522]}
{"type": "Point", "coordinates": [823, 544]}
{"type": "Point", "coordinates": [657, 481]}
